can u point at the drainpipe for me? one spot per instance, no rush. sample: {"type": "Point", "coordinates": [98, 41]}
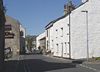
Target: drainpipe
{"type": "Point", "coordinates": [69, 32]}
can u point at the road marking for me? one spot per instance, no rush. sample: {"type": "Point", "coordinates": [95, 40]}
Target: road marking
{"type": "Point", "coordinates": [25, 69]}
{"type": "Point", "coordinates": [29, 70]}
{"type": "Point", "coordinates": [90, 68]}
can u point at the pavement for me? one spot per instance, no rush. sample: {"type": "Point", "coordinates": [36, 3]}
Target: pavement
{"type": "Point", "coordinates": [93, 65]}
{"type": "Point", "coordinates": [40, 63]}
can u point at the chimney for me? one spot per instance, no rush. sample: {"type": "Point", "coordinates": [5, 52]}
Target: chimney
{"type": "Point", "coordinates": [65, 9]}
{"type": "Point", "coordinates": [68, 7]}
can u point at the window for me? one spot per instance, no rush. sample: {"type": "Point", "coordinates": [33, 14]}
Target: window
{"type": "Point", "coordinates": [68, 24]}
{"type": "Point", "coordinates": [57, 47]}
{"type": "Point", "coordinates": [61, 32]}
{"type": "Point", "coordinates": [52, 44]}
{"type": "Point", "coordinates": [65, 48]}
{"type": "Point", "coordinates": [56, 33]}
{"type": "Point", "coordinates": [68, 42]}
{"type": "Point", "coordinates": [67, 33]}
{"type": "Point", "coordinates": [21, 33]}
{"type": "Point", "coordinates": [47, 33]}
{"type": "Point", "coordinates": [9, 35]}
{"type": "Point", "coordinates": [47, 44]}
{"type": "Point", "coordinates": [8, 27]}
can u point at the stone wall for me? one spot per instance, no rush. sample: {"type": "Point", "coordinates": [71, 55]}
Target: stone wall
{"type": "Point", "coordinates": [13, 43]}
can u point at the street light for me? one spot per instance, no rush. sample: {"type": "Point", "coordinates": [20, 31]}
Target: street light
{"type": "Point", "coordinates": [85, 11]}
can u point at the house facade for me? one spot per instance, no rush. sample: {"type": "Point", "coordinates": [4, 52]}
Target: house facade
{"type": "Point", "coordinates": [12, 35]}
{"type": "Point", "coordinates": [77, 34]}
{"type": "Point", "coordinates": [22, 39]}
{"type": "Point", "coordinates": [41, 42]}
{"type": "Point", "coordinates": [85, 31]}
{"type": "Point", "coordinates": [56, 39]}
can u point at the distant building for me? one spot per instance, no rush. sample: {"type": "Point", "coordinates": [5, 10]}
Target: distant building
{"type": "Point", "coordinates": [34, 41]}
{"type": "Point", "coordinates": [22, 39]}
{"type": "Point", "coordinates": [76, 34]}
{"type": "Point", "coordinates": [12, 35]}
{"type": "Point", "coordinates": [41, 42]}
{"type": "Point", "coordinates": [30, 42]}
{"type": "Point", "coordinates": [2, 43]}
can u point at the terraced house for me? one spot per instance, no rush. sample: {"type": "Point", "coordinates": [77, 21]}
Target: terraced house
{"type": "Point", "coordinates": [41, 42]}
{"type": "Point", "coordinates": [76, 34]}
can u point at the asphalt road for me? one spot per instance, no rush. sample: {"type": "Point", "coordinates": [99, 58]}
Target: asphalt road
{"type": "Point", "coordinates": [40, 63]}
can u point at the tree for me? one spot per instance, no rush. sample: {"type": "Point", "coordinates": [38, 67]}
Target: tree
{"type": "Point", "coordinates": [29, 39]}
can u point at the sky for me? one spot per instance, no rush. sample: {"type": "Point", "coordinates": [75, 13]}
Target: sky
{"type": "Point", "coordinates": [34, 15]}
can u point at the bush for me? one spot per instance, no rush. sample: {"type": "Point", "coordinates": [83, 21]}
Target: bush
{"type": "Point", "coordinates": [97, 58]}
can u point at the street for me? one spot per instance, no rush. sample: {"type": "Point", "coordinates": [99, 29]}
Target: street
{"type": "Point", "coordinates": [40, 63]}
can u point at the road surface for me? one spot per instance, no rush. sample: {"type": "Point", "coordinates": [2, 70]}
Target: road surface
{"type": "Point", "coordinates": [40, 63]}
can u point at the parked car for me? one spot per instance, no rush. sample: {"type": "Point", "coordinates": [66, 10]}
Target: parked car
{"type": "Point", "coordinates": [8, 52]}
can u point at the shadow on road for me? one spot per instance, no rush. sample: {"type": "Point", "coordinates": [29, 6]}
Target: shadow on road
{"type": "Point", "coordinates": [35, 65]}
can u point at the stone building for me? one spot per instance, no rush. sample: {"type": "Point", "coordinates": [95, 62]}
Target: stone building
{"type": "Point", "coordinates": [12, 35]}
{"type": "Point", "coordinates": [2, 24]}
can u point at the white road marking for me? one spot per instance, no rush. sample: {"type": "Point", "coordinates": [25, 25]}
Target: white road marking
{"type": "Point", "coordinates": [90, 68]}
{"type": "Point", "coordinates": [25, 69]}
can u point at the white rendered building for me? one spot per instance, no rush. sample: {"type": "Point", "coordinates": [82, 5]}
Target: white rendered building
{"type": "Point", "coordinates": [23, 30]}
{"type": "Point", "coordinates": [40, 41]}
{"type": "Point", "coordinates": [76, 35]}
{"type": "Point", "coordinates": [22, 39]}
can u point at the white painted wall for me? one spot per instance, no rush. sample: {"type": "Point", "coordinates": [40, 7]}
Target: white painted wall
{"type": "Point", "coordinates": [78, 32]}
{"type": "Point", "coordinates": [51, 40]}
{"type": "Point", "coordinates": [94, 28]}
{"type": "Point", "coordinates": [38, 39]}
{"type": "Point", "coordinates": [59, 37]}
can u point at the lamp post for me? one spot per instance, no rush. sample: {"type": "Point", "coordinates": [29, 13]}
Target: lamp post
{"type": "Point", "coordinates": [85, 11]}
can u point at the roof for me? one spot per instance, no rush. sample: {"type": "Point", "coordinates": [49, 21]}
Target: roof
{"type": "Point", "coordinates": [52, 22]}
{"type": "Point", "coordinates": [11, 19]}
